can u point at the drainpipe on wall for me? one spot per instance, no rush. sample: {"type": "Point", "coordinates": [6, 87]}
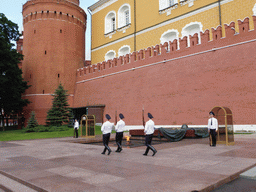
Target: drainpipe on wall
{"type": "Point", "coordinates": [134, 25]}
{"type": "Point", "coordinates": [91, 33]}
{"type": "Point", "coordinates": [220, 13]}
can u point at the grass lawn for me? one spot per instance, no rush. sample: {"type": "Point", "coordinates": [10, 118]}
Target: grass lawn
{"type": "Point", "coordinates": [20, 135]}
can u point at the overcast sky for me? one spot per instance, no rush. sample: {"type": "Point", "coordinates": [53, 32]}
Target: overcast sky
{"type": "Point", "coordinates": [13, 11]}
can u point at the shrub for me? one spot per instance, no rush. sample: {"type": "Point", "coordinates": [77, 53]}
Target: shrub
{"type": "Point", "coordinates": [32, 123]}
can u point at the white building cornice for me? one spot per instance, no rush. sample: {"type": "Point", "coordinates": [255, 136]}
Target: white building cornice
{"type": "Point", "coordinates": [102, 4]}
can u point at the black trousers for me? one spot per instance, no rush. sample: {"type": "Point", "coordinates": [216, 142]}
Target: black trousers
{"type": "Point", "coordinates": [76, 131]}
{"type": "Point", "coordinates": [148, 139]}
{"type": "Point", "coordinates": [106, 138]}
{"type": "Point", "coordinates": [213, 134]}
{"type": "Point", "coordinates": [119, 137]}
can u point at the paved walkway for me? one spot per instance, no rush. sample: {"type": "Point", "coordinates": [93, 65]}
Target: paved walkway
{"type": "Point", "coordinates": [64, 165]}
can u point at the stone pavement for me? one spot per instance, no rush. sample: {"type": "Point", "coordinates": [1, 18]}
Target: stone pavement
{"type": "Point", "coordinates": [66, 165]}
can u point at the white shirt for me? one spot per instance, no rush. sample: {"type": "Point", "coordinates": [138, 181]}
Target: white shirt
{"type": "Point", "coordinates": [76, 125]}
{"type": "Point", "coordinates": [149, 127]}
{"type": "Point", "coordinates": [120, 126]}
{"type": "Point", "coordinates": [213, 123]}
{"type": "Point", "coordinates": [107, 127]}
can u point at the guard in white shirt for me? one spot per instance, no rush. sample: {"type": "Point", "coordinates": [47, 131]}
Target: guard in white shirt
{"type": "Point", "coordinates": [106, 129]}
{"type": "Point", "coordinates": [119, 132]}
{"type": "Point", "coordinates": [213, 128]}
{"type": "Point", "coordinates": [76, 127]}
{"type": "Point", "coordinates": [149, 131]}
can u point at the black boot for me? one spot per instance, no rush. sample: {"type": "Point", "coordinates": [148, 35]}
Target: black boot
{"type": "Point", "coordinates": [109, 150]}
{"type": "Point", "coordinates": [146, 152]}
{"type": "Point", "coordinates": [104, 151]}
{"type": "Point", "coordinates": [119, 149]}
{"type": "Point", "coordinates": [153, 149]}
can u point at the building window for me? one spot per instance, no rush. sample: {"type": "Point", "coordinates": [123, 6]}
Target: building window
{"type": "Point", "coordinates": [110, 55]}
{"type": "Point", "coordinates": [124, 50]}
{"type": "Point", "coordinates": [127, 17]}
{"type": "Point", "coordinates": [171, 3]}
{"type": "Point", "coordinates": [45, 52]}
{"type": "Point", "coordinates": [191, 29]}
{"type": "Point", "coordinates": [113, 23]}
{"type": "Point", "coordinates": [169, 35]}
{"type": "Point", "coordinates": [164, 4]}
{"type": "Point", "coordinates": [124, 16]}
{"type": "Point", "coordinates": [34, 31]}
{"type": "Point", "coordinates": [61, 31]}
{"type": "Point", "coordinates": [110, 22]}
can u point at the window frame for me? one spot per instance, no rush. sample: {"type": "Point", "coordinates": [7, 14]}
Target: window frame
{"type": "Point", "coordinates": [110, 51]}
{"type": "Point", "coordinates": [184, 32]}
{"type": "Point", "coordinates": [109, 27]}
{"type": "Point", "coordinates": [124, 46]}
{"type": "Point", "coordinates": [122, 17]}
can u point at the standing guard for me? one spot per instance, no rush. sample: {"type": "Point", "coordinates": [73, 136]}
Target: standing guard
{"type": "Point", "coordinates": [119, 132]}
{"type": "Point", "coordinates": [213, 128]}
{"type": "Point", "coordinates": [149, 131]}
{"type": "Point", "coordinates": [76, 127]}
{"type": "Point", "coordinates": [106, 129]}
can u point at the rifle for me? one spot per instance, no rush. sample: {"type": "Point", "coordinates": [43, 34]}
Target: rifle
{"type": "Point", "coordinates": [143, 120]}
{"type": "Point", "coordinates": [210, 139]}
{"type": "Point", "coordinates": [115, 118]}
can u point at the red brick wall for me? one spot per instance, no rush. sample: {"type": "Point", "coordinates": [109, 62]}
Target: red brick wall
{"type": "Point", "coordinates": [181, 86]}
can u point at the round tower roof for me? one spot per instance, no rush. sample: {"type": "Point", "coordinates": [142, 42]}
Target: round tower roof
{"type": "Point", "coordinates": [74, 1]}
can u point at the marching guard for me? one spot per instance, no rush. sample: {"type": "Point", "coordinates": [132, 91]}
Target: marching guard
{"type": "Point", "coordinates": [106, 129]}
{"type": "Point", "coordinates": [149, 131]}
{"type": "Point", "coordinates": [119, 132]}
{"type": "Point", "coordinates": [213, 128]}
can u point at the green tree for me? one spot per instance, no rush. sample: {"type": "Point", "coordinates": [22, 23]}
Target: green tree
{"type": "Point", "coordinates": [60, 112]}
{"type": "Point", "coordinates": [32, 122]}
{"type": "Point", "coordinates": [11, 81]}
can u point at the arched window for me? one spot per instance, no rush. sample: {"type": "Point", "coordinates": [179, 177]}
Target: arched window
{"type": "Point", "coordinates": [254, 10]}
{"type": "Point", "coordinates": [110, 22]}
{"type": "Point", "coordinates": [110, 55]}
{"type": "Point", "coordinates": [124, 50]}
{"type": "Point", "coordinates": [163, 4]}
{"type": "Point", "coordinates": [191, 29]}
{"type": "Point", "coordinates": [169, 35]}
{"type": "Point", "coordinates": [124, 15]}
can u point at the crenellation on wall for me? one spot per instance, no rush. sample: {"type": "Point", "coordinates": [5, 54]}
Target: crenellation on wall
{"type": "Point", "coordinates": [217, 33]}
{"type": "Point", "coordinates": [205, 37]}
{"type": "Point", "coordinates": [164, 48]}
{"type": "Point", "coordinates": [148, 53]}
{"type": "Point", "coordinates": [230, 29]}
{"type": "Point", "coordinates": [244, 25]}
{"type": "Point", "coordinates": [193, 39]}
{"type": "Point", "coordinates": [126, 59]}
{"type": "Point", "coordinates": [170, 50]}
{"type": "Point", "coordinates": [183, 43]}
{"type": "Point", "coordinates": [156, 50]}
{"type": "Point", "coordinates": [140, 55]}
{"type": "Point", "coordinates": [254, 22]}
{"type": "Point", "coordinates": [49, 14]}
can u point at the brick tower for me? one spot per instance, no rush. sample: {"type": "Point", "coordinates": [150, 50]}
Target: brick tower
{"type": "Point", "coordinates": [53, 48]}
